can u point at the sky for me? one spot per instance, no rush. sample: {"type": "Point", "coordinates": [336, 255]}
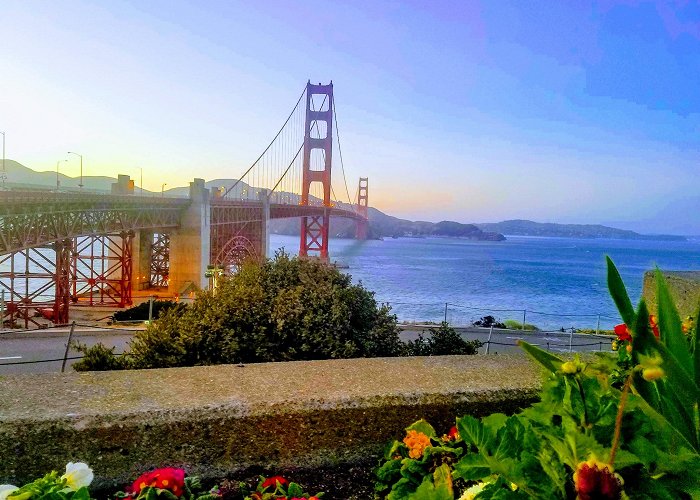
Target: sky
{"type": "Point", "coordinates": [575, 112]}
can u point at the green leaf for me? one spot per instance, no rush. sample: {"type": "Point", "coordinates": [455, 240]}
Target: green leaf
{"type": "Point", "coordinates": [439, 489]}
{"type": "Point", "coordinates": [422, 426]}
{"type": "Point", "coordinates": [619, 293]}
{"type": "Point", "coordinates": [472, 431]}
{"type": "Point", "coordinates": [695, 345]}
{"type": "Point", "coordinates": [549, 361]}
{"type": "Point", "coordinates": [472, 467]}
{"type": "Point", "coordinates": [294, 490]}
{"type": "Point", "coordinates": [670, 326]}
{"type": "Point", "coordinates": [81, 494]}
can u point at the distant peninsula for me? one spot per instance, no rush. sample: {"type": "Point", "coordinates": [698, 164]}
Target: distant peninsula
{"type": "Point", "coordinates": [520, 227]}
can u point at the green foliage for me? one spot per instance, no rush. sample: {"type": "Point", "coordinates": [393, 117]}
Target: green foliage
{"type": "Point", "coordinates": [285, 309]}
{"type": "Point", "coordinates": [512, 324]}
{"type": "Point", "coordinates": [632, 420]}
{"type": "Point", "coordinates": [442, 341]}
{"type": "Point", "coordinates": [97, 358]}
{"type": "Point", "coordinates": [50, 487]}
{"type": "Point", "coordinates": [140, 312]}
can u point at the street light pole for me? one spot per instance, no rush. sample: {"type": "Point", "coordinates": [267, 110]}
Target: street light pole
{"type": "Point", "coordinates": [58, 182]}
{"type": "Point", "coordinates": [162, 189]}
{"type": "Point", "coordinates": [81, 167]}
{"type": "Point", "coordinates": [4, 172]}
{"type": "Point", "coordinates": [141, 169]}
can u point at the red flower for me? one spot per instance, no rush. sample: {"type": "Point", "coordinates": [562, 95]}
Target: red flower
{"type": "Point", "coordinates": [168, 478]}
{"type": "Point", "coordinates": [272, 481]}
{"type": "Point", "coordinates": [654, 325]}
{"type": "Point", "coordinates": [453, 434]}
{"type": "Point", "coordinates": [622, 332]}
{"type": "Point", "coordinates": [595, 480]}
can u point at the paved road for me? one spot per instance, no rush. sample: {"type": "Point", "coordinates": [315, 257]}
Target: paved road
{"type": "Point", "coordinates": [18, 348]}
{"type": "Point", "coordinates": [505, 341]}
{"type": "Point", "coordinates": [39, 345]}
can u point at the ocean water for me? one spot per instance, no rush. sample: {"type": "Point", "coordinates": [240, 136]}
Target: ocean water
{"type": "Point", "coordinates": [559, 282]}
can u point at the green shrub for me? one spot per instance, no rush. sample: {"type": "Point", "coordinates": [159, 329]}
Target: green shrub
{"type": "Point", "coordinates": [140, 312]}
{"type": "Point", "coordinates": [488, 322]}
{"type": "Point", "coordinates": [284, 309]}
{"type": "Point", "coordinates": [442, 341]}
{"type": "Point", "coordinates": [97, 358]}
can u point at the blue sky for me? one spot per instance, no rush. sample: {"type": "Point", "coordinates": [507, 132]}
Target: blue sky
{"type": "Point", "coordinates": [470, 111]}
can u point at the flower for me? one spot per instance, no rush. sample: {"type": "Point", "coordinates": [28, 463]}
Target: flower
{"type": "Point", "coordinates": [78, 475]}
{"type": "Point", "coordinates": [167, 478]}
{"type": "Point", "coordinates": [650, 366]}
{"type": "Point", "coordinates": [453, 434]}
{"type": "Point", "coordinates": [272, 481]}
{"type": "Point", "coordinates": [597, 480]}
{"type": "Point", "coordinates": [654, 325]}
{"type": "Point", "coordinates": [6, 490]}
{"type": "Point", "coordinates": [416, 442]}
{"type": "Point", "coordinates": [622, 332]}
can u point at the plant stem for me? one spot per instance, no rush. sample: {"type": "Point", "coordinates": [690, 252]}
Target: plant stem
{"type": "Point", "coordinates": [618, 419]}
{"type": "Point", "coordinates": [585, 409]}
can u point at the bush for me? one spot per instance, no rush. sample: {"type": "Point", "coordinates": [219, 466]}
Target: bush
{"type": "Point", "coordinates": [488, 322]}
{"type": "Point", "coordinates": [140, 312]}
{"type": "Point", "coordinates": [282, 310]}
{"type": "Point", "coordinates": [442, 341]}
{"type": "Point", "coordinates": [512, 324]}
{"type": "Point", "coordinates": [97, 358]}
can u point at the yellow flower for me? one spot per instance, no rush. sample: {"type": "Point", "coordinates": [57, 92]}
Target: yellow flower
{"type": "Point", "coordinates": [416, 442]}
{"type": "Point", "coordinates": [77, 475]}
{"type": "Point", "coordinates": [650, 366]}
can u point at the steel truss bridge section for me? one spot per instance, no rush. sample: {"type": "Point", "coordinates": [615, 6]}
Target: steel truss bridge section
{"type": "Point", "coordinates": [36, 218]}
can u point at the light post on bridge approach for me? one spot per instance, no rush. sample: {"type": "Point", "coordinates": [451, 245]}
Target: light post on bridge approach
{"type": "Point", "coordinates": [3, 175]}
{"type": "Point", "coordinates": [58, 182]}
{"type": "Point", "coordinates": [162, 189]}
{"type": "Point", "coordinates": [81, 167]}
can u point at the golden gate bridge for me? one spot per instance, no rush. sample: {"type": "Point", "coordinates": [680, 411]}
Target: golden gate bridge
{"type": "Point", "coordinates": [60, 250]}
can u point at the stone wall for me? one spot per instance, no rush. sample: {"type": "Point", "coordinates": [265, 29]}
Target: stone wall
{"type": "Point", "coordinates": [215, 420]}
{"type": "Point", "coordinates": [684, 287]}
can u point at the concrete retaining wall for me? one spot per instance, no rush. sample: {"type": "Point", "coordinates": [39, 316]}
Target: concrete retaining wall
{"type": "Point", "coordinates": [684, 287]}
{"type": "Point", "coordinates": [220, 419]}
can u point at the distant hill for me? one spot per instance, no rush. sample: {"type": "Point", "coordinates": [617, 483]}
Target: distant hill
{"type": "Point", "coordinates": [23, 177]}
{"type": "Point", "coordinates": [529, 228]}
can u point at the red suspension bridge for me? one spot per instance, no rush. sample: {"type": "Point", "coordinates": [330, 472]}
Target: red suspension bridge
{"type": "Point", "coordinates": [61, 250]}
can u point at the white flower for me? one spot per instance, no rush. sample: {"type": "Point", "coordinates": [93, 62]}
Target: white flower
{"type": "Point", "coordinates": [473, 491]}
{"type": "Point", "coordinates": [6, 490]}
{"type": "Point", "coordinates": [77, 475]}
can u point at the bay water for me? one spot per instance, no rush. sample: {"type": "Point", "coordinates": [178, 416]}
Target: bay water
{"type": "Point", "coordinates": [558, 282]}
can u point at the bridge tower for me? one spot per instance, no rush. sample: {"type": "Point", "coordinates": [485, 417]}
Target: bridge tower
{"type": "Point", "coordinates": [362, 209]}
{"type": "Point", "coordinates": [314, 229]}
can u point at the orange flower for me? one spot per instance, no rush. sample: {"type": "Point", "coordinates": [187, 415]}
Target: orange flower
{"type": "Point", "coordinates": [416, 442]}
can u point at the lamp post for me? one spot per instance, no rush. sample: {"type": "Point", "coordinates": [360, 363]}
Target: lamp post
{"type": "Point", "coordinates": [81, 167]}
{"type": "Point", "coordinates": [3, 175]}
{"type": "Point", "coordinates": [162, 189]}
{"type": "Point", "coordinates": [58, 182]}
{"type": "Point", "coordinates": [141, 169]}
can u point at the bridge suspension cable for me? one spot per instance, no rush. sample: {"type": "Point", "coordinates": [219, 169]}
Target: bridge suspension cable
{"type": "Point", "coordinates": [296, 106]}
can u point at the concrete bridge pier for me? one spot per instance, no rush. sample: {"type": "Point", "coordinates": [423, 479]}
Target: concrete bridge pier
{"type": "Point", "coordinates": [190, 244]}
{"type": "Point", "coordinates": [141, 249]}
